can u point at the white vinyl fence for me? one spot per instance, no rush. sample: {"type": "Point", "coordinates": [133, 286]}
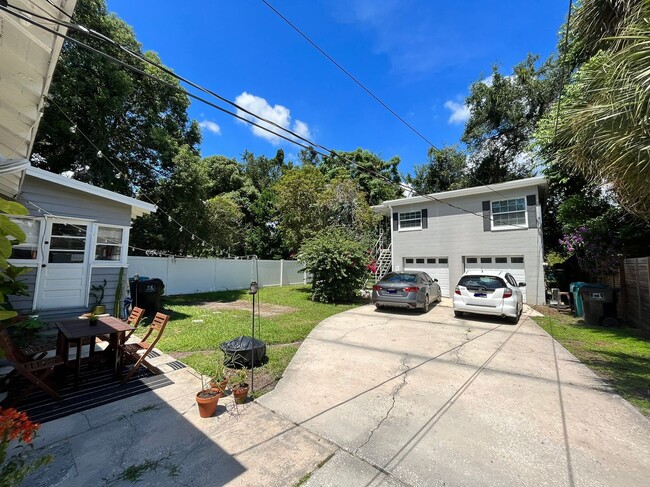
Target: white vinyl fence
{"type": "Point", "coordinates": [188, 276]}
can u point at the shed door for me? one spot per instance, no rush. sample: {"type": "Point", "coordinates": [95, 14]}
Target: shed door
{"type": "Point", "coordinates": [512, 264]}
{"type": "Point", "coordinates": [436, 267]}
{"type": "Point", "coordinates": [63, 281]}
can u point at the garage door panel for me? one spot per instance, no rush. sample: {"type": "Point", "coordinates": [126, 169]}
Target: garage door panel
{"type": "Point", "coordinates": [514, 265]}
{"type": "Point", "coordinates": [436, 271]}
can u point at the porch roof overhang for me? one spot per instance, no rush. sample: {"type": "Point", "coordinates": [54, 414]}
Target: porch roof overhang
{"type": "Point", "coordinates": [538, 181]}
{"type": "Point", "coordinates": [28, 56]}
{"type": "Point", "coordinates": [138, 208]}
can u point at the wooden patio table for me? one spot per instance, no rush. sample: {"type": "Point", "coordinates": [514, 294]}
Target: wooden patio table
{"type": "Point", "coordinates": [78, 330]}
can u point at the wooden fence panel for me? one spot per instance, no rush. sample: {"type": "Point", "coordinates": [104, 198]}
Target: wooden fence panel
{"type": "Point", "coordinates": [637, 290]}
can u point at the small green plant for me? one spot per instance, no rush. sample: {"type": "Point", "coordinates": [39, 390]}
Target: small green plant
{"type": "Point", "coordinates": [338, 262]}
{"type": "Point", "coordinates": [24, 332]}
{"type": "Point", "coordinates": [97, 292]}
{"type": "Point", "coordinates": [239, 378]}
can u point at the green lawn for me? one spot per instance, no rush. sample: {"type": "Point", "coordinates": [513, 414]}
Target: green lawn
{"type": "Point", "coordinates": [619, 355]}
{"type": "Point", "coordinates": [194, 332]}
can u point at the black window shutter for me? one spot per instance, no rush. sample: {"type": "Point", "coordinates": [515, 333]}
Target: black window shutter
{"type": "Point", "coordinates": [425, 222]}
{"type": "Point", "coordinates": [531, 208]}
{"type": "Point", "coordinates": [395, 221]}
{"type": "Point", "coordinates": [487, 223]}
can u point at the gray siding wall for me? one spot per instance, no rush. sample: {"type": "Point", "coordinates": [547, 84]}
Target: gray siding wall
{"type": "Point", "coordinates": [65, 202]}
{"type": "Point", "coordinates": [111, 274]}
{"type": "Point", "coordinates": [23, 304]}
{"type": "Point", "coordinates": [455, 234]}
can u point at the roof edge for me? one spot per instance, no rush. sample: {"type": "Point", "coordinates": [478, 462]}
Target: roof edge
{"type": "Point", "coordinates": [138, 208]}
{"type": "Point", "coordinates": [516, 184]}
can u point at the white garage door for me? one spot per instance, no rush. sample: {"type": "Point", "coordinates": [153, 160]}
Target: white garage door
{"type": "Point", "coordinates": [436, 267]}
{"type": "Point", "coordinates": [513, 264]}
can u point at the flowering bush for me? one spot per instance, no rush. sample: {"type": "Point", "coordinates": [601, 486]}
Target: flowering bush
{"type": "Point", "coordinates": [597, 251]}
{"type": "Point", "coordinates": [15, 425]}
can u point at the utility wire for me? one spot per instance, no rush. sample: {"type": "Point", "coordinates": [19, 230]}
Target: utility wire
{"type": "Point", "coordinates": [364, 88]}
{"type": "Point", "coordinates": [328, 153]}
{"type": "Point", "coordinates": [93, 33]}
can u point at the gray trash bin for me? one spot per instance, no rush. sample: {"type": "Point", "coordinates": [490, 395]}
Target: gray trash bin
{"type": "Point", "coordinates": [599, 303]}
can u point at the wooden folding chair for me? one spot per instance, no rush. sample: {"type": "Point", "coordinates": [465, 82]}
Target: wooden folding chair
{"type": "Point", "coordinates": [34, 370]}
{"type": "Point", "coordinates": [138, 351]}
{"type": "Point", "coordinates": [134, 320]}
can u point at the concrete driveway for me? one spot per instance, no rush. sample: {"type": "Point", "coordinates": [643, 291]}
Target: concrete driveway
{"type": "Point", "coordinates": [429, 399]}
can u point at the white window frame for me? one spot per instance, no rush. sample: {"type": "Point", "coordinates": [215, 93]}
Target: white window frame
{"type": "Point", "coordinates": [409, 229]}
{"type": "Point", "coordinates": [39, 253]}
{"type": "Point", "coordinates": [124, 246]}
{"type": "Point", "coordinates": [519, 226]}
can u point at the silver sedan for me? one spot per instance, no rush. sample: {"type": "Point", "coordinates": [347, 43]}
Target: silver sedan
{"type": "Point", "coordinates": [406, 290]}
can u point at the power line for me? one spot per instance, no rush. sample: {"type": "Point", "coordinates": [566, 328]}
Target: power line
{"type": "Point", "coordinates": [328, 153]}
{"type": "Point", "coordinates": [364, 88]}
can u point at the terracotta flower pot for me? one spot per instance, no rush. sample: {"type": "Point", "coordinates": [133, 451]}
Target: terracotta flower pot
{"type": "Point", "coordinates": [207, 401]}
{"type": "Point", "coordinates": [240, 393]}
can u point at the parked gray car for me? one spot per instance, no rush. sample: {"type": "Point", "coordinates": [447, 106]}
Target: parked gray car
{"type": "Point", "coordinates": [406, 290]}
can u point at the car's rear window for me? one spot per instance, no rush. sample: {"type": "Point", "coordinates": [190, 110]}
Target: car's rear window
{"type": "Point", "coordinates": [400, 278]}
{"type": "Point", "coordinates": [481, 282]}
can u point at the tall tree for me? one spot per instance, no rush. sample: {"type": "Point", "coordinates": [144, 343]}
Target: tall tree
{"type": "Point", "coordinates": [139, 123]}
{"type": "Point", "coordinates": [446, 170]}
{"type": "Point", "coordinates": [504, 111]}
{"type": "Point", "coordinates": [376, 178]}
{"type": "Point", "coordinates": [602, 129]}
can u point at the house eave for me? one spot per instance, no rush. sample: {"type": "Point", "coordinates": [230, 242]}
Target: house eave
{"type": "Point", "coordinates": [446, 195]}
{"type": "Point", "coordinates": [138, 208]}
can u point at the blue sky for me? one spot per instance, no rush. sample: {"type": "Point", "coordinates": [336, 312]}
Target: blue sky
{"type": "Point", "coordinates": [418, 56]}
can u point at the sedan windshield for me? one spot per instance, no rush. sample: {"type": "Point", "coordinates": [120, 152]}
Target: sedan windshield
{"type": "Point", "coordinates": [400, 278]}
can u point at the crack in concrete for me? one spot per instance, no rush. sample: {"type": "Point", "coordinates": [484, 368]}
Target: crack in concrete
{"type": "Point", "coordinates": [385, 322]}
{"type": "Point", "coordinates": [396, 389]}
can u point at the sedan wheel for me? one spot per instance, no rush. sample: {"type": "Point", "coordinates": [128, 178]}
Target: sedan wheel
{"type": "Point", "coordinates": [458, 314]}
{"type": "Point", "coordinates": [425, 308]}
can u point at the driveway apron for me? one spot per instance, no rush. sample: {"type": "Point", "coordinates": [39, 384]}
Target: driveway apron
{"type": "Point", "coordinates": [429, 399]}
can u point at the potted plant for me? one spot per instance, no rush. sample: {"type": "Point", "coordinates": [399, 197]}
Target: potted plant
{"type": "Point", "coordinates": [239, 386]}
{"type": "Point", "coordinates": [207, 400]}
{"type": "Point", "coordinates": [219, 381]}
{"type": "Point", "coordinates": [97, 292]}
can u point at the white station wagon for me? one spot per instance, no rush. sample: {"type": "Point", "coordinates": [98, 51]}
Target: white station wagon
{"type": "Point", "coordinates": [493, 293]}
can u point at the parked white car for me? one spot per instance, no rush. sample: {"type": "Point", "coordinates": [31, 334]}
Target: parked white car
{"type": "Point", "coordinates": [493, 293]}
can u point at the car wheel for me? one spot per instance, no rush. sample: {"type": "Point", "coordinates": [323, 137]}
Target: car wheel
{"type": "Point", "coordinates": [377, 305]}
{"type": "Point", "coordinates": [425, 307]}
{"type": "Point", "coordinates": [513, 319]}
{"type": "Point", "coordinates": [439, 297]}
{"type": "Point", "coordinates": [458, 314]}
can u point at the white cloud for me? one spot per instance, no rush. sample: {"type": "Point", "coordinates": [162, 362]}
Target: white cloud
{"type": "Point", "coordinates": [210, 127]}
{"type": "Point", "coordinates": [459, 112]}
{"type": "Point", "coordinates": [278, 114]}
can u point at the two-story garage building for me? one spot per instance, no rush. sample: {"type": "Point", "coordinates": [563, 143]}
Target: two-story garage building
{"type": "Point", "coordinates": [495, 227]}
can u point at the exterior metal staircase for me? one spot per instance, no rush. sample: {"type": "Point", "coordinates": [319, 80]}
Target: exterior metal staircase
{"type": "Point", "coordinates": [381, 254]}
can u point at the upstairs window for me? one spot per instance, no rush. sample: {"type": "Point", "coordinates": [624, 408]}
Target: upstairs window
{"type": "Point", "coordinates": [508, 213]}
{"type": "Point", "coordinates": [410, 220]}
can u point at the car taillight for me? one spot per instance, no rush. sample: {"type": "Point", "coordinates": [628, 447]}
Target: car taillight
{"type": "Point", "coordinates": [507, 293]}
{"type": "Point", "coordinates": [457, 291]}
{"type": "Point", "coordinates": [376, 288]}
{"type": "Point", "coordinates": [411, 289]}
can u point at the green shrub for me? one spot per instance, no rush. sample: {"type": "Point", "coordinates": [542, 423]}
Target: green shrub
{"type": "Point", "coordinates": [338, 262]}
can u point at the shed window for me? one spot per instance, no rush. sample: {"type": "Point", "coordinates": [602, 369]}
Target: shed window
{"type": "Point", "coordinates": [509, 212]}
{"type": "Point", "coordinates": [411, 219]}
{"type": "Point", "coordinates": [110, 244]}
{"type": "Point", "coordinates": [27, 250]}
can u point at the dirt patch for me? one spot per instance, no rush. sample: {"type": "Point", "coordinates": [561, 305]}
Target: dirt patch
{"type": "Point", "coordinates": [266, 310]}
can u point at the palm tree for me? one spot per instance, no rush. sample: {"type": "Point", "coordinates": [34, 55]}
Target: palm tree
{"type": "Point", "coordinates": [603, 129]}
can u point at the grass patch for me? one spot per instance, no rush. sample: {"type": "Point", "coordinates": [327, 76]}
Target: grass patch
{"type": "Point", "coordinates": [194, 333]}
{"type": "Point", "coordinates": [619, 355]}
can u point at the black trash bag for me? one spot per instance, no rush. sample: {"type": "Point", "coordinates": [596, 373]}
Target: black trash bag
{"type": "Point", "coordinates": [238, 351]}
